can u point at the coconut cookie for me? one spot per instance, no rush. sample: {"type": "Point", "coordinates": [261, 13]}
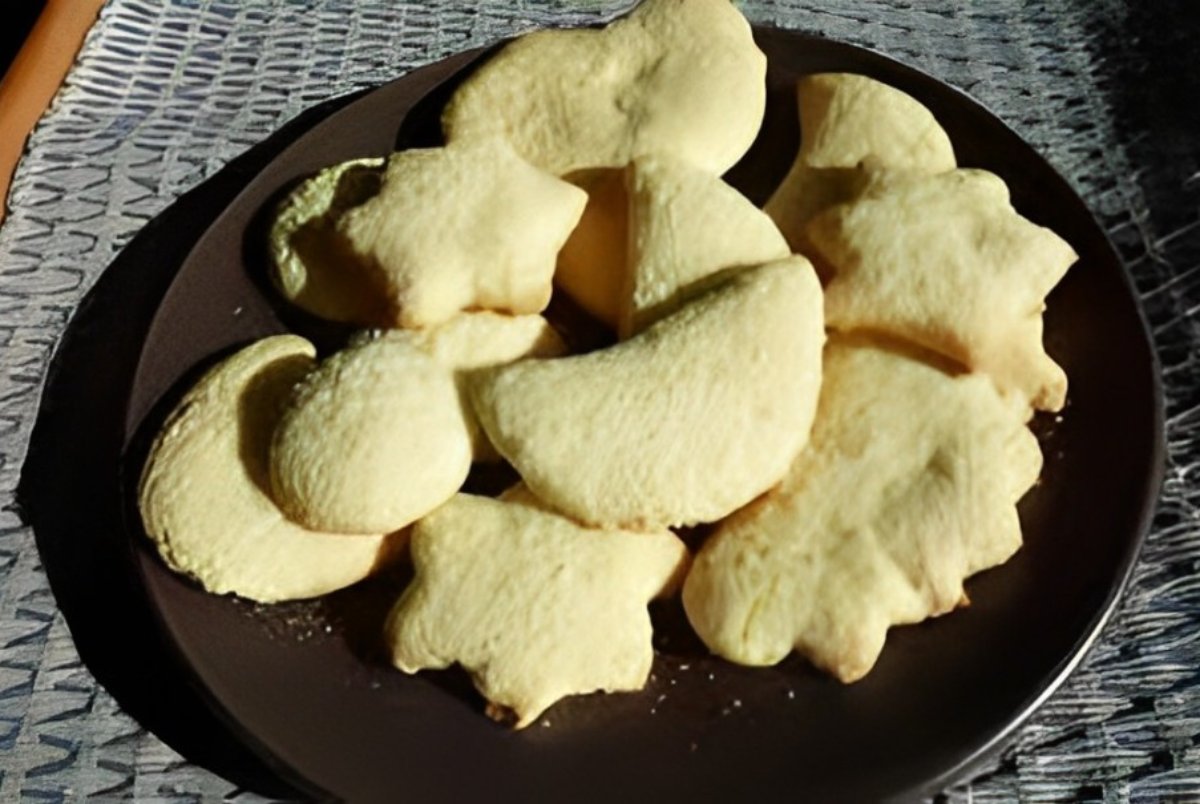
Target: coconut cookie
{"type": "Point", "coordinates": [685, 225]}
{"type": "Point", "coordinates": [311, 265]}
{"type": "Point", "coordinates": [372, 440]}
{"type": "Point", "coordinates": [678, 77]}
{"type": "Point", "coordinates": [533, 605]}
{"type": "Point", "coordinates": [846, 119]}
{"type": "Point", "coordinates": [470, 225]}
{"type": "Point", "coordinates": [946, 262]}
{"type": "Point", "coordinates": [203, 497]}
{"type": "Point", "coordinates": [908, 486]}
{"type": "Point", "coordinates": [682, 424]}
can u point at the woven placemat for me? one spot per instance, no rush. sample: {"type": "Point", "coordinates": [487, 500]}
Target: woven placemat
{"type": "Point", "coordinates": [166, 93]}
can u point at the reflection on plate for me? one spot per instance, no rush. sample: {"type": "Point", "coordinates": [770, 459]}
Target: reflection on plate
{"type": "Point", "coordinates": [307, 686]}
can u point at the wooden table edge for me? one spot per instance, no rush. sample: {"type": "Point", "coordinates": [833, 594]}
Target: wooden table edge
{"type": "Point", "coordinates": [36, 75]}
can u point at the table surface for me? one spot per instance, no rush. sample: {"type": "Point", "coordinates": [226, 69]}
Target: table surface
{"type": "Point", "coordinates": [166, 92]}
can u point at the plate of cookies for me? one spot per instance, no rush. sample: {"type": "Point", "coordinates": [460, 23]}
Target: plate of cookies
{"type": "Point", "coordinates": [671, 409]}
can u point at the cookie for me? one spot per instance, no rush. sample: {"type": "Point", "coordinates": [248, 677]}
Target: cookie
{"type": "Point", "coordinates": [681, 424]}
{"type": "Point", "coordinates": [535, 606]}
{"type": "Point", "coordinates": [908, 486]}
{"type": "Point", "coordinates": [467, 226]}
{"type": "Point", "coordinates": [371, 440]}
{"type": "Point", "coordinates": [470, 342]}
{"type": "Point", "coordinates": [593, 263]}
{"type": "Point", "coordinates": [203, 493]}
{"type": "Point", "coordinates": [683, 78]}
{"type": "Point", "coordinates": [311, 264]}
{"type": "Point", "coordinates": [946, 262]}
{"type": "Point", "coordinates": [685, 225]}
{"type": "Point", "coordinates": [846, 119]}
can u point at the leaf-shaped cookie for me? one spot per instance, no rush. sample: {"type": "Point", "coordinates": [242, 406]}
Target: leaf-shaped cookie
{"type": "Point", "coordinates": [907, 487]}
{"type": "Point", "coordinates": [679, 77]}
{"type": "Point", "coordinates": [533, 605]}
{"type": "Point", "coordinates": [470, 225]}
{"type": "Point", "coordinates": [844, 120]}
{"type": "Point", "coordinates": [946, 262]}
{"type": "Point", "coordinates": [203, 494]}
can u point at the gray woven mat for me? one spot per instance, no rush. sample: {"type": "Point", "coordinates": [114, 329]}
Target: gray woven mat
{"type": "Point", "coordinates": [165, 93]}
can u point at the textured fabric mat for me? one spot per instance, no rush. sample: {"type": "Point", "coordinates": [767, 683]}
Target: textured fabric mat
{"type": "Point", "coordinates": [166, 92]}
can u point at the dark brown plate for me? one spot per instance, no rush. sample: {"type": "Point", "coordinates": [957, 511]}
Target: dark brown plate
{"type": "Point", "coordinates": [305, 684]}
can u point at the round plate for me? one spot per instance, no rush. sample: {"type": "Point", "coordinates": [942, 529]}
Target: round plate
{"type": "Point", "coordinates": [306, 685]}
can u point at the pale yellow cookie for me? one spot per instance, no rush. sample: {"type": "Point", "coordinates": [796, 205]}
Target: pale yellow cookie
{"type": "Point", "coordinates": [846, 119]}
{"type": "Point", "coordinates": [682, 424]}
{"type": "Point", "coordinates": [520, 494]}
{"type": "Point", "coordinates": [678, 77]}
{"type": "Point", "coordinates": [203, 493]}
{"type": "Point", "coordinates": [467, 226]}
{"type": "Point", "coordinates": [311, 264]}
{"type": "Point", "coordinates": [371, 440]}
{"type": "Point", "coordinates": [908, 486]}
{"type": "Point", "coordinates": [685, 225]}
{"type": "Point", "coordinates": [592, 264]}
{"type": "Point", "coordinates": [533, 605]}
{"type": "Point", "coordinates": [946, 262]}
{"type": "Point", "coordinates": [473, 341]}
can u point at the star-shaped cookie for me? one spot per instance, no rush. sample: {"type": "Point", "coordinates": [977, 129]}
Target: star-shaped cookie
{"type": "Point", "coordinates": [535, 606]}
{"type": "Point", "coordinates": [470, 225]}
{"type": "Point", "coordinates": [946, 262]}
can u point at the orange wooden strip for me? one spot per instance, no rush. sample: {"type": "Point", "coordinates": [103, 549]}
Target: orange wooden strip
{"type": "Point", "coordinates": [35, 76]}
